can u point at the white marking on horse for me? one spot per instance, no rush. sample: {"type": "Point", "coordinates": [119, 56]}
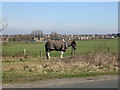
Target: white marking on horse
{"type": "Point", "coordinates": [48, 54]}
{"type": "Point", "coordinates": [61, 54]}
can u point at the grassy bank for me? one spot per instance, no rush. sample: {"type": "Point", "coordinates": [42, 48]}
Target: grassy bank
{"type": "Point", "coordinates": [32, 69]}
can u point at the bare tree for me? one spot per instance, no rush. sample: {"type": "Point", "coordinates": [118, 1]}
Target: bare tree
{"type": "Point", "coordinates": [33, 33]}
{"type": "Point", "coordinates": [37, 32]}
{"type": "Point", "coordinates": [54, 35]}
{"type": "Point", "coordinates": [3, 23]}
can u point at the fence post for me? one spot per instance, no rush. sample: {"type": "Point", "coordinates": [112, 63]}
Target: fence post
{"type": "Point", "coordinates": [108, 49]}
{"type": "Point", "coordinates": [25, 55]}
{"type": "Point", "coordinates": [40, 53]}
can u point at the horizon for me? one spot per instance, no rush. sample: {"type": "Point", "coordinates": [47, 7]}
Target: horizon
{"type": "Point", "coordinates": [61, 17]}
{"type": "Point", "coordinates": [64, 34]}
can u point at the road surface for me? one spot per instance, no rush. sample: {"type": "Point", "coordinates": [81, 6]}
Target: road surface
{"type": "Point", "coordinates": [97, 84]}
{"type": "Point", "coordinates": [103, 81]}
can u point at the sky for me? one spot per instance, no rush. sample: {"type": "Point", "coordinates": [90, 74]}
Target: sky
{"type": "Point", "coordinates": [61, 17]}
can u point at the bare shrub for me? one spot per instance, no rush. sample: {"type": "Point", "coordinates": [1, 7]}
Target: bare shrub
{"type": "Point", "coordinates": [101, 59]}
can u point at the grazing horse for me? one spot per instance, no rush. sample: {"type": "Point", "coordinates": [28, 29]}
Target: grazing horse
{"type": "Point", "coordinates": [58, 45]}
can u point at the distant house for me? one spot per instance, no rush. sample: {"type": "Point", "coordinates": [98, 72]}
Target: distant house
{"type": "Point", "coordinates": [4, 39]}
{"type": "Point", "coordinates": [38, 39]}
{"type": "Point", "coordinates": [110, 37]}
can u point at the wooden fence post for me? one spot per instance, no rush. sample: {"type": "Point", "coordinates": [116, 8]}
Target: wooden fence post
{"type": "Point", "coordinates": [108, 49]}
{"type": "Point", "coordinates": [40, 53]}
{"type": "Point", "coordinates": [25, 55]}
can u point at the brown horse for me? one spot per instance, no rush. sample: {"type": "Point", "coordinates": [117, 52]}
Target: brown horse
{"type": "Point", "coordinates": [58, 45]}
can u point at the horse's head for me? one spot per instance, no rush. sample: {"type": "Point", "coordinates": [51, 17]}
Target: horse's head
{"type": "Point", "coordinates": [73, 44]}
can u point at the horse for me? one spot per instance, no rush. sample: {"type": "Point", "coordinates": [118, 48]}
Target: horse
{"type": "Point", "coordinates": [59, 45]}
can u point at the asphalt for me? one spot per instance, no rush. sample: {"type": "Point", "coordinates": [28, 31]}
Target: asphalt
{"type": "Point", "coordinates": [103, 81]}
{"type": "Point", "coordinates": [97, 84]}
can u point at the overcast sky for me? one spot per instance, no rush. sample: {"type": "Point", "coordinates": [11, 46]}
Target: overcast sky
{"type": "Point", "coordinates": [61, 17]}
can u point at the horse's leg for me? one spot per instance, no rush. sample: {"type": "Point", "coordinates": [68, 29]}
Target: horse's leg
{"type": "Point", "coordinates": [48, 55]}
{"type": "Point", "coordinates": [71, 50]}
{"type": "Point", "coordinates": [61, 54]}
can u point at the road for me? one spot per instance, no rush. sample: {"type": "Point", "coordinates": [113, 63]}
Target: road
{"type": "Point", "coordinates": [97, 84]}
{"type": "Point", "coordinates": [103, 81]}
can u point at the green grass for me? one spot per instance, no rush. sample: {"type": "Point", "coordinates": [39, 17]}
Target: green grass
{"type": "Point", "coordinates": [98, 45]}
{"type": "Point", "coordinates": [14, 48]}
{"type": "Point", "coordinates": [33, 49]}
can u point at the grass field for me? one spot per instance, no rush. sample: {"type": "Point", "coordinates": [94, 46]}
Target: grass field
{"type": "Point", "coordinates": [33, 49]}
{"type": "Point", "coordinates": [92, 58]}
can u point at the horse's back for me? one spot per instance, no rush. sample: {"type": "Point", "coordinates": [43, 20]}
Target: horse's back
{"type": "Point", "coordinates": [54, 44]}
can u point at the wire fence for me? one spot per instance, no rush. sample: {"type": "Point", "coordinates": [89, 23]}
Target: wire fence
{"type": "Point", "coordinates": [38, 49]}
